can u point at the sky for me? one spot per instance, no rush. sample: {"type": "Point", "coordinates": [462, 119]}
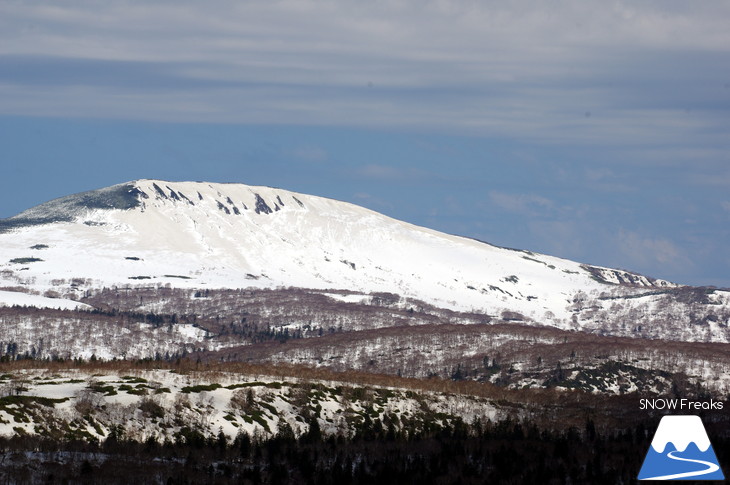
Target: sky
{"type": "Point", "coordinates": [597, 131]}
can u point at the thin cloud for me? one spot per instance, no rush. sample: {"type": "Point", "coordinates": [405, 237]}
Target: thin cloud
{"type": "Point", "coordinates": [141, 76]}
{"type": "Point", "coordinates": [524, 204]}
{"type": "Point", "coordinates": [309, 153]}
{"type": "Point", "coordinates": [500, 69]}
{"type": "Point", "coordinates": [376, 171]}
{"type": "Point", "coordinates": [716, 178]}
{"type": "Point", "coordinates": [598, 174]}
{"type": "Point", "coordinates": [647, 251]}
{"type": "Point", "coordinates": [391, 173]}
{"type": "Point", "coordinates": [561, 237]}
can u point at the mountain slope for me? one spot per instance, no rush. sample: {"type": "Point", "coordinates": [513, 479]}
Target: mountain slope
{"type": "Point", "coordinates": [203, 235]}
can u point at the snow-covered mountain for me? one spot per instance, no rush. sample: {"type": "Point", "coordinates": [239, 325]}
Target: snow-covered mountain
{"type": "Point", "coordinates": [680, 430]}
{"type": "Point", "coordinates": [204, 235]}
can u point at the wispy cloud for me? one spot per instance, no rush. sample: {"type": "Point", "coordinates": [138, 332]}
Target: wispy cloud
{"type": "Point", "coordinates": [392, 173]}
{"type": "Point", "coordinates": [561, 237]}
{"type": "Point", "coordinates": [646, 73]}
{"type": "Point", "coordinates": [377, 171]}
{"type": "Point", "coordinates": [598, 174]}
{"type": "Point", "coordinates": [712, 178]}
{"type": "Point", "coordinates": [648, 251]}
{"type": "Point", "coordinates": [524, 204]}
{"type": "Point", "coordinates": [309, 153]}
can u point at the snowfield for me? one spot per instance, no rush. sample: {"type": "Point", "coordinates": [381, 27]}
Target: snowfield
{"type": "Point", "coordinates": [201, 235]}
{"type": "Point", "coordinates": [14, 298]}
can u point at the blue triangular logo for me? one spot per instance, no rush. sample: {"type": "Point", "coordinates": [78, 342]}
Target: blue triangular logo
{"type": "Point", "coordinates": [681, 450]}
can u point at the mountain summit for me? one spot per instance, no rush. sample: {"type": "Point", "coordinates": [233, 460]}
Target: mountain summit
{"type": "Point", "coordinates": [207, 235]}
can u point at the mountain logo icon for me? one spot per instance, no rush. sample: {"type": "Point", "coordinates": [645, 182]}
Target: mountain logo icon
{"type": "Point", "coordinates": [681, 450]}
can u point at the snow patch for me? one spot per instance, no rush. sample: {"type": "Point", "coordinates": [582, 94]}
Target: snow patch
{"type": "Point", "coordinates": [11, 298]}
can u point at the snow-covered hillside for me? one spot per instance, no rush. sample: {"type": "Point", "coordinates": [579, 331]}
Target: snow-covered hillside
{"type": "Point", "coordinates": [204, 235]}
{"type": "Point", "coordinates": [162, 404]}
{"type": "Point", "coordinates": [16, 298]}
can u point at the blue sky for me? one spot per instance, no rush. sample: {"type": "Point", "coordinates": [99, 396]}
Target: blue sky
{"type": "Point", "coordinates": [596, 131]}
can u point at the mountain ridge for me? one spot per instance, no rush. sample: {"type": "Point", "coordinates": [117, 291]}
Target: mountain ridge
{"type": "Point", "coordinates": [210, 235]}
{"type": "Point", "coordinates": [127, 195]}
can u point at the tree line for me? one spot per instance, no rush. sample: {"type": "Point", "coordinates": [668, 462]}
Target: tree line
{"type": "Point", "coordinates": [506, 452]}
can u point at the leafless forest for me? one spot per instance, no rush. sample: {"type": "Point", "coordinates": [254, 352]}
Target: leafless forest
{"type": "Point", "coordinates": [298, 386]}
